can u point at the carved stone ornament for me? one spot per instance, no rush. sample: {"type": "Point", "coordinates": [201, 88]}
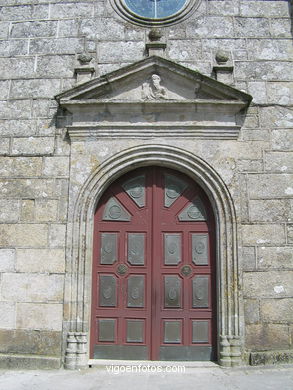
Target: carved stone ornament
{"type": "Point", "coordinates": [151, 98]}
{"type": "Point", "coordinates": [153, 90]}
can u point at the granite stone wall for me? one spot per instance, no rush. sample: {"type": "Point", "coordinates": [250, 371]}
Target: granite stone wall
{"type": "Point", "coordinates": [39, 44]}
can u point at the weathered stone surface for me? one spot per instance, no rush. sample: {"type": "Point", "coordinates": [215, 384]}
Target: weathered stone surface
{"type": "Point", "coordinates": [99, 29]}
{"type": "Point", "coordinates": [46, 210]}
{"type": "Point", "coordinates": [56, 166]}
{"type": "Point", "coordinates": [18, 127]}
{"type": "Point", "coordinates": [27, 188]}
{"type": "Point", "coordinates": [37, 88]}
{"type": "Point", "coordinates": [57, 235]}
{"type": "Point", "coordinates": [9, 210]}
{"type": "Point", "coordinates": [266, 9]}
{"type": "Point", "coordinates": [17, 67]}
{"type": "Point", "coordinates": [20, 166]}
{"type": "Point", "coordinates": [15, 109]}
{"type": "Point", "coordinates": [275, 258]}
{"type": "Point", "coordinates": [250, 165]}
{"type": "Point", "coordinates": [268, 210]}
{"type": "Point", "coordinates": [184, 50]}
{"type": "Point", "coordinates": [4, 146]}
{"type": "Point", "coordinates": [263, 234]}
{"type": "Point", "coordinates": [274, 117]}
{"type": "Point", "coordinates": [7, 260]}
{"type": "Point", "coordinates": [279, 161]}
{"type": "Point", "coordinates": [263, 70]}
{"type": "Point", "coordinates": [25, 12]}
{"type": "Point", "coordinates": [125, 51]}
{"type": "Point", "coordinates": [23, 235]}
{"type": "Point", "coordinates": [24, 287]}
{"type": "Point", "coordinates": [55, 66]}
{"type": "Point", "coordinates": [282, 139]}
{"type": "Point", "coordinates": [281, 27]}
{"type": "Point", "coordinates": [251, 311]}
{"type": "Point", "coordinates": [33, 146]}
{"type": "Point", "coordinates": [290, 233]}
{"type": "Point", "coordinates": [27, 210]}
{"type": "Point", "coordinates": [267, 337]}
{"type": "Point", "coordinates": [258, 90]}
{"type": "Point", "coordinates": [270, 186]}
{"type": "Point", "coordinates": [39, 316]}
{"type": "Point", "coordinates": [211, 27]}
{"type": "Point", "coordinates": [39, 342]}
{"type": "Point", "coordinates": [263, 49]}
{"type": "Point", "coordinates": [7, 315]}
{"type": "Point", "coordinates": [248, 258]}
{"type": "Point", "coordinates": [33, 29]}
{"type": "Point", "coordinates": [280, 310]}
{"type": "Point", "coordinates": [55, 46]}
{"type": "Point", "coordinates": [273, 284]}
{"type": "Point", "coordinates": [271, 357]}
{"type": "Point", "coordinates": [70, 10]}
{"type": "Point", "coordinates": [280, 93]}
{"type": "Point", "coordinates": [29, 362]}
{"type": "Point", "coordinates": [40, 260]}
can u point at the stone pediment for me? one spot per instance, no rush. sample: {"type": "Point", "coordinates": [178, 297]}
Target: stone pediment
{"type": "Point", "coordinates": [154, 97]}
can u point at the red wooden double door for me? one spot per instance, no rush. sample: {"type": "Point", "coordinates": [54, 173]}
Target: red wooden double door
{"type": "Point", "coordinates": [154, 270]}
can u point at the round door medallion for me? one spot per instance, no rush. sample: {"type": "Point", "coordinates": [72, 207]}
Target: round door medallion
{"type": "Point", "coordinates": [122, 269]}
{"type": "Point", "coordinates": [186, 270]}
{"type": "Point", "coordinates": [154, 12]}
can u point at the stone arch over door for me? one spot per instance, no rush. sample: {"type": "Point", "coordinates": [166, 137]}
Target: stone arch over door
{"type": "Point", "coordinates": [80, 244]}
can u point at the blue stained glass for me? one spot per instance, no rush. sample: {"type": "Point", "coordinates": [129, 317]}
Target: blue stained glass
{"type": "Point", "coordinates": [155, 9]}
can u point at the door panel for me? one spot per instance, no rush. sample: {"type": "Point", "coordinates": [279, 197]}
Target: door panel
{"type": "Point", "coordinates": [154, 270]}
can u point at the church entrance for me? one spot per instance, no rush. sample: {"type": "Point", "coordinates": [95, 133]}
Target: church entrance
{"type": "Point", "coordinates": [154, 270]}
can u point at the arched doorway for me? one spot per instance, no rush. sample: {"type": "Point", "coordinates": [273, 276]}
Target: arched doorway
{"type": "Point", "coordinates": [154, 269]}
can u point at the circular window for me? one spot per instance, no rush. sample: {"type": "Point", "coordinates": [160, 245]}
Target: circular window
{"type": "Point", "coordinates": [154, 12]}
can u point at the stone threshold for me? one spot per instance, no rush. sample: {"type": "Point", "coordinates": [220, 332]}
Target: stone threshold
{"type": "Point", "coordinates": [154, 363]}
{"type": "Point", "coordinates": [31, 362]}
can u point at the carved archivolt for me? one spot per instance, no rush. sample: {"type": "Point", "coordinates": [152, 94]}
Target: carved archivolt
{"type": "Point", "coordinates": [79, 264]}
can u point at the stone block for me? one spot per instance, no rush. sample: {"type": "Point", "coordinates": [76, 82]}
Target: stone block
{"type": "Point", "coordinates": [271, 357]}
{"type": "Point", "coordinates": [256, 8]}
{"type": "Point", "coordinates": [25, 287]}
{"type": "Point", "coordinates": [210, 27]}
{"type": "Point", "coordinates": [251, 311]}
{"type": "Point", "coordinates": [18, 127]}
{"type": "Point", "coordinates": [121, 51]}
{"type": "Point", "coordinates": [9, 210]}
{"type": "Point", "coordinates": [263, 70]}
{"type": "Point", "coordinates": [15, 109]}
{"type": "Point", "coordinates": [281, 28]}
{"type": "Point", "coordinates": [71, 10]}
{"type": "Point", "coordinates": [280, 93]}
{"type": "Point", "coordinates": [55, 66]}
{"type": "Point", "coordinates": [277, 310]}
{"type": "Point", "coordinates": [99, 29]}
{"type": "Point", "coordinates": [4, 29]}
{"type": "Point", "coordinates": [270, 186]}
{"type": "Point", "coordinates": [269, 284]}
{"type": "Point", "coordinates": [265, 234]}
{"type": "Point", "coordinates": [252, 27]}
{"type": "Point", "coordinates": [4, 145]}
{"type": "Point", "coordinates": [20, 166]}
{"type": "Point", "coordinates": [46, 210]}
{"type": "Point", "coordinates": [23, 235]}
{"type": "Point", "coordinates": [27, 210]}
{"type": "Point", "coordinates": [29, 362]}
{"type": "Point", "coordinates": [18, 47]}
{"type": "Point", "coordinates": [34, 29]}
{"type": "Point", "coordinates": [56, 166]}
{"type": "Point", "coordinates": [33, 145]}
{"type": "Point", "coordinates": [37, 88]}
{"type": "Point", "coordinates": [268, 210]}
{"type": "Point", "coordinates": [274, 117]}
{"type": "Point", "coordinates": [257, 89]}
{"type": "Point", "coordinates": [40, 260]}
{"type": "Point", "coordinates": [7, 315]}
{"type": "Point", "coordinates": [68, 28]}
{"type": "Point", "coordinates": [39, 316]}
{"type": "Point", "coordinates": [27, 188]}
{"type": "Point", "coordinates": [282, 139]}
{"type": "Point", "coordinates": [184, 50]}
{"type": "Point", "coordinates": [255, 134]}
{"type": "Point", "coordinates": [269, 49]}
{"type": "Point", "coordinates": [19, 67]}
{"type": "Point", "coordinates": [57, 235]}
{"type": "Point", "coordinates": [250, 165]}
{"type": "Point", "coordinates": [7, 260]}
{"type": "Point", "coordinates": [225, 8]}
{"type": "Point", "coordinates": [25, 12]}
{"type": "Point", "coordinates": [267, 337]}
{"type": "Point", "coordinates": [290, 233]}
{"type": "Point", "coordinates": [36, 342]}
{"type": "Point", "coordinates": [275, 258]}
{"type": "Point", "coordinates": [4, 85]}
{"type": "Point", "coordinates": [279, 161]}
{"type": "Point", "coordinates": [56, 45]}
{"type": "Point", "coordinates": [248, 258]}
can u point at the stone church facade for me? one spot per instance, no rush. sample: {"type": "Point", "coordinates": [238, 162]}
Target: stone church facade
{"type": "Point", "coordinates": [94, 91]}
